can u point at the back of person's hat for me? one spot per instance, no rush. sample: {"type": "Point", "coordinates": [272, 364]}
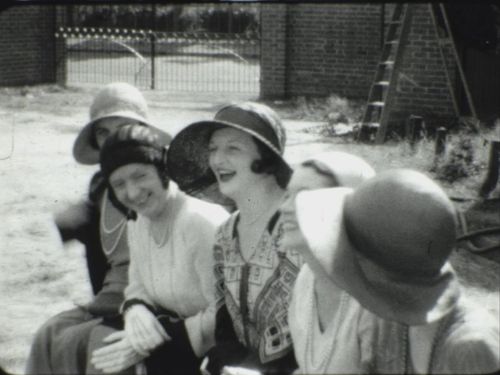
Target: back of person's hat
{"type": "Point", "coordinates": [386, 243]}
{"type": "Point", "coordinates": [188, 152]}
{"type": "Point", "coordinates": [347, 169]}
{"type": "Point", "coordinates": [118, 99]}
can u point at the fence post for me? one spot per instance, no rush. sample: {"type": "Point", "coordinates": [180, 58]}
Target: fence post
{"type": "Point", "coordinates": [60, 50]}
{"type": "Point", "coordinates": [152, 40]}
{"type": "Point", "coordinates": [440, 141]}
{"type": "Point", "coordinates": [414, 129]}
{"type": "Point", "coordinates": [492, 175]}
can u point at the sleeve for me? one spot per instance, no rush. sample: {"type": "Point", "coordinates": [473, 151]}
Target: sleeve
{"type": "Point", "coordinates": [228, 350]}
{"type": "Point", "coordinates": [201, 326]}
{"type": "Point", "coordinates": [75, 221]}
{"type": "Point", "coordinates": [108, 300]}
{"type": "Point", "coordinates": [135, 289]}
{"type": "Point", "coordinates": [471, 351]}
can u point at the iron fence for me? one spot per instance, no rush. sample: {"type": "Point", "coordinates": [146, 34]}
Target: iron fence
{"type": "Point", "coordinates": [172, 61]}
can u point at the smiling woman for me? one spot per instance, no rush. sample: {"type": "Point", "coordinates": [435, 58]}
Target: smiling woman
{"type": "Point", "coordinates": [168, 320]}
{"type": "Point", "coordinates": [140, 187]}
{"type": "Point", "coordinates": [240, 152]}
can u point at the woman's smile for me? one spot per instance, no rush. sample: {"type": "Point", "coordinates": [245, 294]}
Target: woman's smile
{"type": "Point", "coordinates": [225, 175]}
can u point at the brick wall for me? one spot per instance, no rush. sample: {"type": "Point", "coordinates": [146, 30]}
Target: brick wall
{"type": "Point", "coordinates": [27, 46]}
{"type": "Point", "coordinates": [333, 48]}
{"type": "Point", "coordinates": [272, 47]}
{"type": "Point", "coordinates": [422, 87]}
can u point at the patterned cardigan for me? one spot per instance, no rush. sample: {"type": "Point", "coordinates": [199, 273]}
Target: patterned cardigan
{"type": "Point", "coordinates": [252, 299]}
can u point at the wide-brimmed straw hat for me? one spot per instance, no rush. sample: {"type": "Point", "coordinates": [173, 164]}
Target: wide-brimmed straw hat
{"type": "Point", "coordinates": [188, 152]}
{"type": "Point", "coordinates": [347, 169]}
{"type": "Point", "coordinates": [118, 99]}
{"type": "Point", "coordinates": [386, 243]}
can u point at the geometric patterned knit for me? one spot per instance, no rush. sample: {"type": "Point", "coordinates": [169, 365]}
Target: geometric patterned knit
{"type": "Point", "coordinates": [257, 293]}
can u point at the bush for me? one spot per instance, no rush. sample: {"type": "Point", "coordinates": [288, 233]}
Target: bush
{"type": "Point", "coordinates": [211, 18]}
{"type": "Point", "coordinates": [459, 160]}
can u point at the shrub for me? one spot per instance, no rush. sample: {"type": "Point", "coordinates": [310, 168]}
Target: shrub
{"type": "Point", "coordinates": [460, 159]}
{"type": "Point", "coordinates": [205, 17]}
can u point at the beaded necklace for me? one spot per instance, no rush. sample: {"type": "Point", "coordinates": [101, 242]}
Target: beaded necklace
{"type": "Point", "coordinates": [120, 227]}
{"type": "Point", "coordinates": [325, 356]}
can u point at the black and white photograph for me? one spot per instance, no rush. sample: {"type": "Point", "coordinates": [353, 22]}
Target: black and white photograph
{"type": "Point", "coordinates": [249, 187]}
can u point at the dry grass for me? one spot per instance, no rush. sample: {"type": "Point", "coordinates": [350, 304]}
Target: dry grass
{"type": "Point", "coordinates": [39, 277]}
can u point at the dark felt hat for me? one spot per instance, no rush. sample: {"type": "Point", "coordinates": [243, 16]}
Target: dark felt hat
{"type": "Point", "coordinates": [387, 243]}
{"type": "Point", "coordinates": [188, 152]}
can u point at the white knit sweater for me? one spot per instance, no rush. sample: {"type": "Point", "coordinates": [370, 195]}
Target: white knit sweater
{"type": "Point", "coordinates": [178, 275]}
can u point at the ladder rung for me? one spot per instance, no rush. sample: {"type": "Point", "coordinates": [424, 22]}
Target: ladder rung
{"type": "Point", "coordinates": [376, 104]}
{"type": "Point", "coordinates": [382, 83]}
{"type": "Point", "coordinates": [394, 41]}
{"type": "Point", "coordinates": [387, 62]}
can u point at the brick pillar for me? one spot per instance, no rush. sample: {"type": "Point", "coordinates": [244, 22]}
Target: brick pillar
{"type": "Point", "coordinates": [273, 51]}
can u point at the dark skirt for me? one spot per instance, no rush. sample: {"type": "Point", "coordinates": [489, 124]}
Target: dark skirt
{"type": "Point", "coordinates": [60, 345]}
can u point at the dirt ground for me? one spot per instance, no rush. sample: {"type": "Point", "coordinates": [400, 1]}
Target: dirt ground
{"type": "Point", "coordinates": [40, 277]}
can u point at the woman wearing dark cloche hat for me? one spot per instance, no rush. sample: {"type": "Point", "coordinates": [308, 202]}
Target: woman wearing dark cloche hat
{"type": "Point", "coordinates": [239, 155]}
{"type": "Point", "coordinates": [168, 321]}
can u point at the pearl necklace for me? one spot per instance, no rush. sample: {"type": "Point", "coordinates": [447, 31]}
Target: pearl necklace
{"type": "Point", "coordinates": [311, 366]}
{"type": "Point", "coordinates": [121, 225]}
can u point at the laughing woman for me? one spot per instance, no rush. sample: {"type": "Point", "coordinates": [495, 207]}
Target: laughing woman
{"type": "Point", "coordinates": [241, 152]}
{"type": "Point", "coordinates": [381, 296]}
{"type": "Point", "coordinates": [312, 325]}
{"type": "Point", "coordinates": [167, 321]}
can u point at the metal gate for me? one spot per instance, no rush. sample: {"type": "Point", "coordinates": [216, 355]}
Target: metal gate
{"type": "Point", "coordinates": [169, 61]}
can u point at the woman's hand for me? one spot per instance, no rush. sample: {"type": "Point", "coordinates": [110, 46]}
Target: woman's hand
{"type": "Point", "coordinates": [144, 331]}
{"type": "Point", "coordinates": [117, 356]}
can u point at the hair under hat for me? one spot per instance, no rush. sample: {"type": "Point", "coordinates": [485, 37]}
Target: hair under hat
{"type": "Point", "coordinates": [386, 243]}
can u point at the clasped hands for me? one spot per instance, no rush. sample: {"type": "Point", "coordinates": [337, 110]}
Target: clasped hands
{"type": "Point", "coordinates": [143, 333]}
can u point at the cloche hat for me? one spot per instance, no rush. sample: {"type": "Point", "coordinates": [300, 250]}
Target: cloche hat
{"type": "Point", "coordinates": [188, 152]}
{"type": "Point", "coordinates": [118, 99]}
{"type": "Point", "coordinates": [347, 169]}
{"type": "Point", "coordinates": [134, 143]}
{"type": "Point", "coordinates": [386, 243]}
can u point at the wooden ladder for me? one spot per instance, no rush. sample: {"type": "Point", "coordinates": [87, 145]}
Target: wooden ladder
{"type": "Point", "coordinates": [445, 40]}
{"type": "Point", "coordinates": [376, 115]}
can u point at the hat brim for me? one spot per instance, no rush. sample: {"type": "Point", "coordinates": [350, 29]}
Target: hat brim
{"type": "Point", "coordinates": [407, 300]}
{"type": "Point", "coordinates": [84, 152]}
{"type": "Point", "coordinates": [187, 158]}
